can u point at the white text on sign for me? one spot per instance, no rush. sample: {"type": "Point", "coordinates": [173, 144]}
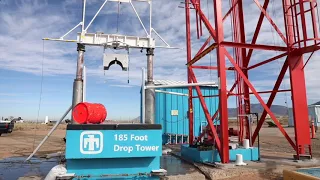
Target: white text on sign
{"type": "Point", "coordinates": [131, 137]}
{"type": "Point", "coordinates": [136, 147]}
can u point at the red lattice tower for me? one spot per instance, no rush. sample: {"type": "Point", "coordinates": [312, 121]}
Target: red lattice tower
{"type": "Point", "coordinates": [300, 37]}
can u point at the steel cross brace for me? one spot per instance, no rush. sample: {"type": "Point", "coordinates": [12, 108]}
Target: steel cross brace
{"type": "Point", "coordinates": [229, 12]}
{"type": "Point", "coordinates": [256, 33]}
{"type": "Point", "coordinates": [271, 98]}
{"type": "Point", "coordinates": [204, 45]}
{"type": "Point", "coordinates": [201, 53]}
{"type": "Point", "coordinates": [265, 106]}
{"type": "Point", "coordinates": [217, 111]}
{"type": "Point", "coordinates": [267, 61]}
{"type": "Point", "coordinates": [206, 22]}
{"type": "Point", "coordinates": [271, 21]}
{"type": "Point", "coordinates": [206, 112]}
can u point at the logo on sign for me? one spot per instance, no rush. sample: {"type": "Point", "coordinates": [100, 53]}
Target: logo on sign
{"type": "Point", "coordinates": [91, 142]}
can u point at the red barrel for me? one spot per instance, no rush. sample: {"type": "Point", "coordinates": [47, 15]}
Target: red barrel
{"type": "Point", "coordinates": [89, 113]}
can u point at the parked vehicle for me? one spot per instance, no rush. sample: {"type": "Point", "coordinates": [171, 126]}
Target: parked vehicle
{"type": "Point", "coordinates": [6, 126]}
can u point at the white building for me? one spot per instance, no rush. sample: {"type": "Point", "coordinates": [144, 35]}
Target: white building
{"type": "Point", "coordinates": [314, 114]}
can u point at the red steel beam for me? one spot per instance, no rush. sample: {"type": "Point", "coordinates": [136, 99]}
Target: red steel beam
{"type": "Point", "coordinates": [256, 32]}
{"type": "Point", "coordinates": [299, 104]}
{"type": "Point", "coordinates": [202, 54]}
{"type": "Point", "coordinates": [271, 21]}
{"type": "Point", "coordinates": [265, 106]}
{"type": "Point", "coordinates": [229, 12]}
{"type": "Point", "coordinates": [217, 111]}
{"type": "Point", "coordinates": [254, 46]}
{"type": "Point", "coordinates": [206, 112]}
{"type": "Point", "coordinates": [270, 101]}
{"type": "Point", "coordinates": [190, 104]}
{"type": "Point", "coordinates": [237, 94]}
{"type": "Point", "coordinates": [223, 99]}
{"type": "Point", "coordinates": [246, 99]}
{"type": "Point", "coordinates": [204, 45]}
{"type": "Point", "coordinates": [267, 61]}
{"type": "Point", "coordinates": [206, 22]}
{"type": "Point", "coordinates": [211, 67]}
{"type": "Point", "coordinates": [236, 45]}
{"type": "Point", "coordinates": [307, 49]}
{"type": "Point", "coordinates": [303, 21]}
{"type": "Point", "coordinates": [298, 86]}
{"type": "Point", "coordinates": [263, 92]}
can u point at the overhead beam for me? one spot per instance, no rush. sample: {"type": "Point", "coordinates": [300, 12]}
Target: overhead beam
{"type": "Point", "coordinates": [260, 92]}
{"type": "Point", "coordinates": [115, 40]}
{"type": "Point", "coordinates": [211, 67]}
{"type": "Point", "coordinates": [254, 46]}
{"type": "Point", "coordinates": [203, 53]}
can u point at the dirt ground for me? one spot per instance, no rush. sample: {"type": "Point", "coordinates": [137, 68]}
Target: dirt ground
{"type": "Point", "coordinates": [275, 150]}
{"type": "Point", "coordinates": [25, 137]}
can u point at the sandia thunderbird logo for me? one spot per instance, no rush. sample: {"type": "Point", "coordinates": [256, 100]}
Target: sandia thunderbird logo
{"type": "Point", "coordinates": [91, 142]}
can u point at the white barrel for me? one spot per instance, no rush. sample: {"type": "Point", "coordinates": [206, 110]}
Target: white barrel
{"type": "Point", "coordinates": [246, 143]}
{"type": "Point", "coordinates": [56, 171]}
{"type": "Point", "coordinates": [239, 160]}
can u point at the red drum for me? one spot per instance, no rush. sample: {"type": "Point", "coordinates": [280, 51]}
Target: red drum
{"type": "Point", "coordinates": [89, 113]}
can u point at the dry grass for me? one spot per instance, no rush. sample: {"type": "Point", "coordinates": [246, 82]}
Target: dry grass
{"type": "Point", "coordinates": [37, 126]}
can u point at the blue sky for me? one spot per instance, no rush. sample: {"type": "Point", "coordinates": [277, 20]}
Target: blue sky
{"type": "Point", "coordinates": [25, 22]}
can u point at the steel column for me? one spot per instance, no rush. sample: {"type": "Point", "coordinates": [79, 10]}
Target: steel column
{"type": "Point", "coordinates": [222, 78]}
{"type": "Point", "coordinates": [245, 71]}
{"type": "Point", "coordinates": [298, 87]}
{"type": "Point", "coordinates": [299, 104]}
{"type": "Point", "coordinates": [150, 93]}
{"type": "Point", "coordinates": [188, 42]}
{"type": "Point", "coordinates": [77, 96]}
{"type": "Point", "coordinates": [207, 115]}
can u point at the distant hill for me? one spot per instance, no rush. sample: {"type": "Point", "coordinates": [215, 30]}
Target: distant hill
{"type": "Point", "coordinates": [278, 110]}
{"type": "Point", "coordinates": [317, 103]}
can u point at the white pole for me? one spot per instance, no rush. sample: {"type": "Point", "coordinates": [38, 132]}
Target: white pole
{"type": "Point", "coordinates": [174, 93]}
{"type": "Point", "coordinates": [134, 9]}
{"type": "Point", "coordinates": [50, 132]}
{"type": "Point", "coordinates": [83, 15]}
{"type": "Point", "coordinates": [71, 30]}
{"type": "Point", "coordinates": [84, 90]}
{"type": "Point", "coordinates": [94, 17]}
{"type": "Point", "coordinates": [143, 96]}
{"type": "Point", "coordinates": [160, 36]}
